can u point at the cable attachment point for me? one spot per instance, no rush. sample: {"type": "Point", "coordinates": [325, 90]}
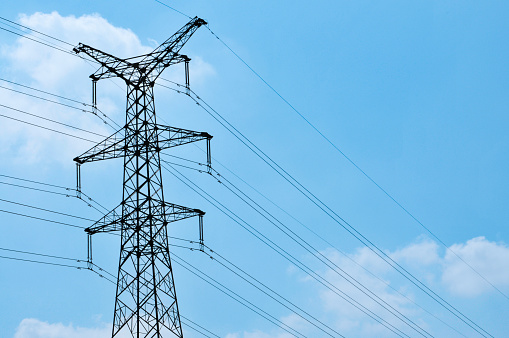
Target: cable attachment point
{"type": "Point", "coordinates": [94, 96]}
{"type": "Point", "coordinates": [186, 63]}
{"type": "Point", "coordinates": [90, 265]}
{"type": "Point", "coordinates": [209, 157]}
{"type": "Point", "coordinates": [78, 180]}
{"type": "Point", "coordinates": [200, 220]}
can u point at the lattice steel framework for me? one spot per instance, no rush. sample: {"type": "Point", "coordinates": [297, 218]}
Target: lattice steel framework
{"type": "Point", "coordinates": [146, 301]}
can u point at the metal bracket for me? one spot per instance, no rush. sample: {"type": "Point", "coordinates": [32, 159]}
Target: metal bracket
{"type": "Point", "coordinates": [209, 157]}
{"type": "Point", "coordinates": [78, 180]}
{"type": "Point", "coordinates": [201, 232]}
{"type": "Point", "coordinates": [89, 252]}
{"type": "Point", "coordinates": [188, 91]}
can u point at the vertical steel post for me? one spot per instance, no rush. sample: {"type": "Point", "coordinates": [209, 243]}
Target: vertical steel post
{"type": "Point", "coordinates": [78, 180]}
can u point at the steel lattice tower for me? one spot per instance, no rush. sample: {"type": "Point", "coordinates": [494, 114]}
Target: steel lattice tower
{"type": "Point", "coordinates": [146, 301]}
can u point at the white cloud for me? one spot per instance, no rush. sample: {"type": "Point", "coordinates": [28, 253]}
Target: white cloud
{"type": "Point", "coordinates": [490, 259]}
{"type": "Point", "coordinates": [34, 328]}
{"type": "Point", "coordinates": [423, 253]}
{"type": "Point", "coordinates": [259, 334]}
{"type": "Point", "coordinates": [292, 320]}
{"type": "Point", "coordinates": [429, 262]}
{"type": "Point", "coordinates": [52, 70]}
{"type": "Point", "coordinates": [348, 319]}
{"type": "Point", "coordinates": [48, 69]}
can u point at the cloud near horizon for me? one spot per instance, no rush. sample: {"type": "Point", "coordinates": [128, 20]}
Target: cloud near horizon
{"type": "Point", "coordinates": [34, 328]}
{"type": "Point", "coordinates": [490, 259]}
{"type": "Point", "coordinates": [440, 269]}
{"type": "Point", "coordinates": [487, 257]}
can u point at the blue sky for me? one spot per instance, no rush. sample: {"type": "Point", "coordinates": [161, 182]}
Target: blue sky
{"type": "Point", "coordinates": [415, 93]}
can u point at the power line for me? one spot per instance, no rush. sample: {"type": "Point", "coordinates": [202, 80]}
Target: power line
{"type": "Point", "coordinates": [33, 30]}
{"type": "Point", "coordinates": [42, 98]}
{"type": "Point", "coordinates": [313, 232]}
{"type": "Point", "coordinates": [306, 189]}
{"type": "Point", "coordinates": [183, 166]}
{"type": "Point", "coordinates": [230, 214]}
{"type": "Point", "coordinates": [37, 189]}
{"type": "Point", "coordinates": [213, 253]}
{"type": "Point", "coordinates": [325, 260]}
{"type": "Point", "coordinates": [384, 191]}
{"type": "Point", "coordinates": [90, 199]}
{"type": "Point", "coordinates": [25, 32]}
{"type": "Point", "coordinates": [330, 213]}
{"type": "Point", "coordinates": [173, 9]}
{"type": "Point", "coordinates": [201, 327]}
{"type": "Point", "coordinates": [192, 327]}
{"type": "Point", "coordinates": [44, 92]}
{"type": "Point", "coordinates": [67, 134]}
{"type": "Point", "coordinates": [59, 103]}
{"type": "Point", "coordinates": [363, 172]}
{"type": "Point", "coordinates": [55, 264]}
{"type": "Point", "coordinates": [185, 159]}
{"type": "Point", "coordinates": [338, 219]}
{"type": "Point", "coordinates": [42, 255]}
{"type": "Point", "coordinates": [52, 192]}
{"type": "Point", "coordinates": [319, 236]}
{"type": "Point", "coordinates": [46, 128]}
{"type": "Point", "coordinates": [47, 210]}
{"type": "Point", "coordinates": [42, 219]}
{"type": "Point", "coordinates": [36, 182]}
{"type": "Point", "coordinates": [41, 262]}
{"type": "Point", "coordinates": [275, 295]}
{"type": "Point", "coordinates": [235, 296]}
{"type": "Point", "coordinates": [332, 245]}
{"type": "Point", "coordinates": [35, 40]}
{"type": "Point", "coordinates": [50, 120]}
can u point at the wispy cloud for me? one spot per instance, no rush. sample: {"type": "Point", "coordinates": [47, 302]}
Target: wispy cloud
{"type": "Point", "coordinates": [490, 259]}
{"type": "Point", "coordinates": [34, 328]}
{"type": "Point", "coordinates": [428, 261]}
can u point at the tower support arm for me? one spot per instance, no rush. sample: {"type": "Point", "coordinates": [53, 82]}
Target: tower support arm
{"type": "Point", "coordinates": [175, 212]}
{"type": "Point", "coordinates": [110, 222]}
{"type": "Point", "coordinates": [166, 212]}
{"type": "Point", "coordinates": [162, 56]}
{"type": "Point", "coordinates": [111, 66]}
{"type": "Point", "coordinates": [158, 65]}
{"type": "Point", "coordinates": [115, 145]}
{"type": "Point", "coordinates": [111, 147]}
{"type": "Point", "coordinates": [171, 137]}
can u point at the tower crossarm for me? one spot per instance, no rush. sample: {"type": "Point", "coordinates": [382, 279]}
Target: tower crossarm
{"type": "Point", "coordinates": [110, 222]}
{"type": "Point", "coordinates": [111, 66]}
{"type": "Point", "coordinates": [111, 147]}
{"type": "Point", "coordinates": [115, 145]}
{"type": "Point", "coordinates": [168, 60]}
{"type": "Point", "coordinates": [167, 53]}
{"type": "Point", "coordinates": [144, 68]}
{"type": "Point", "coordinates": [175, 212]}
{"type": "Point", "coordinates": [171, 137]}
{"type": "Point", "coordinates": [167, 212]}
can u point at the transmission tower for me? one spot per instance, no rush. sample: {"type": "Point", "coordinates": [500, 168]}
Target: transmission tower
{"type": "Point", "coordinates": [146, 301]}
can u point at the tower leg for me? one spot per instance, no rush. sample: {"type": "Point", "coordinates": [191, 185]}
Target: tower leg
{"type": "Point", "coordinates": [146, 301]}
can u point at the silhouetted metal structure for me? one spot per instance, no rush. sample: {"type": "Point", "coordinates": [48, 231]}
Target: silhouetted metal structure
{"type": "Point", "coordinates": [146, 301]}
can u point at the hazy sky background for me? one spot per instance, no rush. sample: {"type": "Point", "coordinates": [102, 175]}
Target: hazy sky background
{"type": "Point", "coordinates": [415, 93]}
